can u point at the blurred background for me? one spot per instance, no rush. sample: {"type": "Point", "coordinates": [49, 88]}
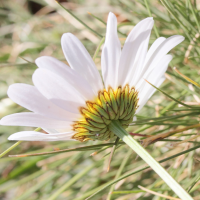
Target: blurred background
{"type": "Point", "coordinates": [30, 29]}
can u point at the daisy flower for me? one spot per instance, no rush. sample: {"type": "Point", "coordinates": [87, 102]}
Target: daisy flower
{"type": "Point", "coordinates": [73, 103]}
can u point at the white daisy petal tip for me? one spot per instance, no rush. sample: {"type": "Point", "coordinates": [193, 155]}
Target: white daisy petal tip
{"type": "Point", "coordinates": [65, 37]}
{"type": "Point", "coordinates": [4, 121]}
{"type": "Point", "coordinates": [150, 19]}
{"type": "Point", "coordinates": [41, 60]}
{"type": "Point", "coordinates": [12, 88]}
{"type": "Point", "coordinates": [112, 15]}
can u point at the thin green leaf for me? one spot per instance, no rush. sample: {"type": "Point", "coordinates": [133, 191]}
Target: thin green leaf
{"type": "Point", "coordinates": [84, 24]}
{"type": "Point", "coordinates": [169, 95]}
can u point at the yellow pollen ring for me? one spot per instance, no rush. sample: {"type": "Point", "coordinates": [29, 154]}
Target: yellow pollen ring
{"type": "Point", "coordinates": [120, 104]}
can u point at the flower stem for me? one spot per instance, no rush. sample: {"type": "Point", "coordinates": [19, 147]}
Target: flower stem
{"type": "Point", "coordinates": [116, 128]}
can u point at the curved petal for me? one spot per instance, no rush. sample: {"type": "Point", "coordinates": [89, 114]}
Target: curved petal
{"type": "Point", "coordinates": [30, 98]}
{"type": "Point", "coordinates": [154, 74]}
{"type": "Point", "coordinates": [156, 77]}
{"type": "Point", "coordinates": [71, 76]}
{"type": "Point", "coordinates": [81, 61]}
{"type": "Point", "coordinates": [153, 47]}
{"type": "Point", "coordinates": [111, 53]}
{"type": "Point", "coordinates": [58, 90]}
{"type": "Point", "coordinates": [159, 53]}
{"type": "Point", "coordinates": [38, 136]}
{"type": "Point", "coordinates": [134, 51]}
{"type": "Point", "coordinates": [34, 120]}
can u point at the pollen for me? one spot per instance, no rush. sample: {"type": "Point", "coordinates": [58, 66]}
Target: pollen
{"type": "Point", "coordinates": [119, 104]}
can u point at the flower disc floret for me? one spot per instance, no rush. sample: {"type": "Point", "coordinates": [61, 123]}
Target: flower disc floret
{"type": "Point", "coordinates": [119, 104]}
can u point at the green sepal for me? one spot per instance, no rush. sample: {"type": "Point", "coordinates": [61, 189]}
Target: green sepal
{"type": "Point", "coordinates": [83, 133]}
{"type": "Point", "coordinates": [107, 98]}
{"type": "Point", "coordinates": [129, 115]}
{"type": "Point", "coordinates": [103, 130]}
{"type": "Point", "coordinates": [125, 122]}
{"type": "Point", "coordinates": [106, 121]}
{"type": "Point", "coordinates": [130, 96]}
{"type": "Point", "coordinates": [90, 128]}
{"type": "Point", "coordinates": [117, 116]}
{"type": "Point", "coordinates": [93, 123]}
{"type": "Point", "coordinates": [126, 96]}
{"type": "Point", "coordinates": [118, 96]}
{"type": "Point", "coordinates": [92, 116]}
{"type": "Point", "coordinates": [101, 111]}
{"type": "Point", "coordinates": [113, 101]}
{"type": "Point", "coordinates": [103, 101]}
{"type": "Point", "coordinates": [92, 110]}
{"type": "Point", "coordinates": [111, 113]}
{"type": "Point", "coordinates": [124, 114]}
{"type": "Point", "coordinates": [121, 109]}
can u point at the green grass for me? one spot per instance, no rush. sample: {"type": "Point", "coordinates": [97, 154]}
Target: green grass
{"type": "Point", "coordinates": [30, 29]}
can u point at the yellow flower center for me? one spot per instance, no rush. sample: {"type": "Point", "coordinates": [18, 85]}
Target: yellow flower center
{"type": "Point", "coordinates": [120, 104]}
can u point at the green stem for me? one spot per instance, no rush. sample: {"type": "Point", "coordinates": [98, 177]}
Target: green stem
{"type": "Point", "coordinates": [10, 148]}
{"type": "Point", "coordinates": [116, 128]}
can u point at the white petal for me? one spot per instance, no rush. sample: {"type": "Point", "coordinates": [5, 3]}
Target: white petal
{"type": "Point", "coordinates": [58, 90]}
{"type": "Point", "coordinates": [29, 97]}
{"type": "Point", "coordinates": [134, 51]}
{"type": "Point", "coordinates": [155, 74]}
{"type": "Point", "coordinates": [159, 53]}
{"type": "Point", "coordinates": [38, 136]}
{"type": "Point", "coordinates": [156, 77]}
{"type": "Point", "coordinates": [68, 74]}
{"type": "Point", "coordinates": [34, 120]}
{"type": "Point", "coordinates": [153, 48]}
{"type": "Point", "coordinates": [111, 53]}
{"type": "Point", "coordinates": [81, 61]}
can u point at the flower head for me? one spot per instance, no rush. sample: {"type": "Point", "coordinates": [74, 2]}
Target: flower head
{"type": "Point", "coordinates": [73, 102]}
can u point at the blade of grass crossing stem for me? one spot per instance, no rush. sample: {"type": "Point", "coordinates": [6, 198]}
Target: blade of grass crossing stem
{"type": "Point", "coordinates": [179, 83]}
{"type": "Point", "coordinates": [98, 48]}
{"type": "Point", "coordinates": [185, 77]}
{"type": "Point", "coordinates": [137, 171]}
{"type": "Point", "coordinates": [84, 24]}
{"type": "Point", "coordinates": [125, 160]}
{"type": "Point", "coordinates": [72, 181]}
{"type": "Point", "coordinates": [169, 95]}
{"type": "Point", "coordinates": [162, 112]}
{"type": "Point", "coordinates": [149, 11]}
{"type": "Point", "coordinates": [14, 145]}
{"type": "Point", "coordinates": [116, 128]}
